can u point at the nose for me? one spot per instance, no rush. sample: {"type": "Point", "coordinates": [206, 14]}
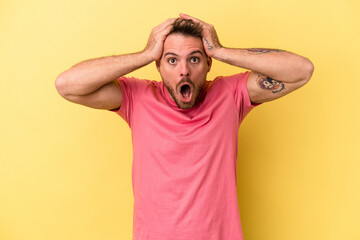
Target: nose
{"type": "Point", "coordinates": [184, 70]}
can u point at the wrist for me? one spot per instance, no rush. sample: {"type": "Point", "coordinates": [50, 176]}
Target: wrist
{"type": "Point", "coordinates": [147, 56]}
{"type": "Point", "coordinates": [218, 52]}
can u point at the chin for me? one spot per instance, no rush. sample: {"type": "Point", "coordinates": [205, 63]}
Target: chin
{"type": "Point", "coordinates": [185, 106]}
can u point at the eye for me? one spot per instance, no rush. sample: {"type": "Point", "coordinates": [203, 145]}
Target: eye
{"type": "Point", "coordinates": [194, 59]}
{"type": "Point", "coordinates": [172, 60]}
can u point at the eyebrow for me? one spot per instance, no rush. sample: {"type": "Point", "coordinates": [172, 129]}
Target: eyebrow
{"type": "Point", "coordinates": [170, 53]}
{"type": "Point", "coordinates": [197, 51]}
{"type": "Point", "coordinates": [193, 52]}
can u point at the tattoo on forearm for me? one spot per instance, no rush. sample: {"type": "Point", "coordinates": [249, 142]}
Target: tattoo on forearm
{"type": "Point", "coordinates": [262, 50]}
{"type": "Point", "coordinates": [267, 83]}
{"type": "Point", "coordinates": [208, 44]}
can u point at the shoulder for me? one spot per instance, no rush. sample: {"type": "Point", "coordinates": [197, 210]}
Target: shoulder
{"type": "Point", "coordinates": [237, 85]}
{"type": "Point", "coordinates": [234, 82]}
{"type": "Point", "coordinates": [133, 80]}
{"type": "Point", "coordinates": [135, 84]}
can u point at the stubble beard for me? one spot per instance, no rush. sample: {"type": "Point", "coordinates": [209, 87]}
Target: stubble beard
{"type": "Point", "coordinates": [195, 96]}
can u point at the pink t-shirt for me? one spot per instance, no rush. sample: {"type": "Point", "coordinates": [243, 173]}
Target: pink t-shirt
{"type": "Point", "coordinates": [184, 161]}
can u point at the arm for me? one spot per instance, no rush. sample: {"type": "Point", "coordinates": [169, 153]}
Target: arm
{"type": "Point", "coordinates": [93, 82]}
{"type": "Point", "coordinates": [274, 73]}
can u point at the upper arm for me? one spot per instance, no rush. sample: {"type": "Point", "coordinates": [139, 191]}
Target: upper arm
{"type": "Point", "coordinates": [263, 89]}
{"type": "Point", "coordinates": [107, 97]}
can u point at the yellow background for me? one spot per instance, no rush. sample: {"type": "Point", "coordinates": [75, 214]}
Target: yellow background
{"type": "Point", "coordinates": [65, 169]}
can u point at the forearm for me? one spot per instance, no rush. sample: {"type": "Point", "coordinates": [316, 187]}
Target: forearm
{"type": "Point", "coordinates": [276, 64]}
{"type": "Point", "coordinates": [89, 75]}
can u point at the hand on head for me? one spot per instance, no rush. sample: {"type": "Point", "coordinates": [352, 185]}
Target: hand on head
{"type": "Point", "coordinates": [210, 38]}
{"type": "Point", "coordinates": [159, 33]}
{"type": "Point", "coordinates": [157, 37]}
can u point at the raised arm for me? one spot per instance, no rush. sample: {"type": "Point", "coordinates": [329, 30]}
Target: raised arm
{"type": "Point", "coordinates": [93, 82]}
{"type": "Point", "coordinates": [274, 73]}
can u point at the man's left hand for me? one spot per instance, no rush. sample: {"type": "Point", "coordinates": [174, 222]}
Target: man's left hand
{"type": "Point", "coordinates": [210, 38]}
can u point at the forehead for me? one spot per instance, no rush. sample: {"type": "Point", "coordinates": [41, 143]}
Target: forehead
{"type": "Point", "coordinates": [181, 44]}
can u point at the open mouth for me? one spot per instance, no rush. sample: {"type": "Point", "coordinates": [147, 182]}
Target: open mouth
{"type": "Point", "coordinates": [185, 92]}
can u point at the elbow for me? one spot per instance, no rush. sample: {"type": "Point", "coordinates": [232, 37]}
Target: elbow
{"type": "Point", "coordinates": [305, 71]}
{"type": "Point", "coordinates": [60, 85]}
{"type": "Point", "coordinates": [308, 70]}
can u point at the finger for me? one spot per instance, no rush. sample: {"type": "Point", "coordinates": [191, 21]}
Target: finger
{"type": "Point", "coordinates": [166, 30]}
{"type": "Point", "coordinates": [167, 22]}
{"type": "Point", "coordinates": [185, 16]}
{"type": "Point", "coordinates": [163, 33]}
{"type": "Point", "coordinates": [163, 25]}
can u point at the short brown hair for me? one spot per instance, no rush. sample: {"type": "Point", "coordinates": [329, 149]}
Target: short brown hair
{"type": "Point", "coordinates": [186, 27]}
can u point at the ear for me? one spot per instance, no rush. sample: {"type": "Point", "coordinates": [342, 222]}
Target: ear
{"type": "Point", "coordinates": [209, 62]}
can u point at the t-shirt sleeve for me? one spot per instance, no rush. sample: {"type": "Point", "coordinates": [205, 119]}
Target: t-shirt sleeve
{"type": "Point", "coordinates": [129, 86]}
{"type": "Point", "coordinates": [241, 94]}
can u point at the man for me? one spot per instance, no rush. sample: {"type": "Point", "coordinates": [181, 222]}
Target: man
{"type": "Point", "coordinates": [185, 128]}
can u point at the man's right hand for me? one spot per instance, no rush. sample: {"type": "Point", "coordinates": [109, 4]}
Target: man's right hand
{"type": "Point", "coordinates": [157, 37]}
{"type": "Point", "coordinates": [93, 82]}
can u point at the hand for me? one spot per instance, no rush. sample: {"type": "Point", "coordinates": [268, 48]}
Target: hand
{"type": "Point", "coordinates": [210, 38]}
{"type": "Point", "coordinates": [157, 37]}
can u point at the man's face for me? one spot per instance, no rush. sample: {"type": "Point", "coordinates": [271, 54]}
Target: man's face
{"type": "Point", "coordinates": [183, 68]}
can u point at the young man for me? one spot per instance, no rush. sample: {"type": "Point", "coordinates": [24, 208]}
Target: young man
{"type": "Point", "coordinates": [185, 128]}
